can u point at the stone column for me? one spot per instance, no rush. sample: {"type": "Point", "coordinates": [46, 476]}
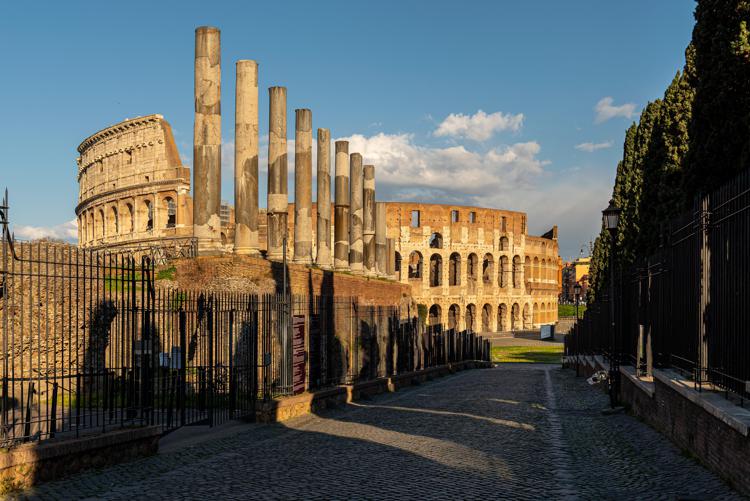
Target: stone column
{"type": "Point", "coordinates": [323, 229]}
{"type": "Point", "coordinates": [368, 239]}
{"type": "Point", "coordinates": [356, 189]}
{"type": "Point", "coordinates": [303, 187]}
{"type": "Point", "coordinates": [381, 246]}
{"type": "Point", "coordinates": [207, 141]}
{"type": "Point", "coordinates": [341, 216]}
{"type": "Point", "coordinates": [278, 197]}
{"type": "Point", "coordinates": [390, 265]}
{"type": "Point", "coordinates": [246, 159]}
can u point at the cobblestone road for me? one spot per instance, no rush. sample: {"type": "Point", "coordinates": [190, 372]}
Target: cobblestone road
{"type": "Point", "coordinates": [513, 432]}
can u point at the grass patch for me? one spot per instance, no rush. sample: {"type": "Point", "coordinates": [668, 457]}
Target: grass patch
{"type": "Point", "coordinates": [569, 310]}
{"type": "Point", "coordinates": [166, 273]}
{"type": "Point", "coordinates": [551, 354]}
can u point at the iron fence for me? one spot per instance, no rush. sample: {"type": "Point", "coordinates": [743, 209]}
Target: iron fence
{"type": "Point", "coordinates": [93, 341]}
{"type": "Point", "coordinates": [687, 306]}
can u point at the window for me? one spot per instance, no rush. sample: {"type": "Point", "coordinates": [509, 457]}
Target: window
{"type": "Point", "coordinates": [454, 216]}
{"type": "Point", "coordinates": [436, 270]}
{"type": "Point", "coordinates": [171, 211]}
{"type": "Point", "coordinates": [149, 216]}
{"type": "Point", "coordinates": [415, 223]}
{"type": "Point", "coordinates": [436, 241]}
{"type": "Point", "coordinates": [503, 224]}
{"type": "Point", "coordinates": [472, 217]}
{"type": "Point", "coordinates": [415, 265]}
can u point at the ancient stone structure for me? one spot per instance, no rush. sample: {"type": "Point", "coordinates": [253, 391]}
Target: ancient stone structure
{"type": "Point", "coordinates": [356, 193]}
{"type": "Point", "coordinates": [207, 140]}
{"type": "Point", "coordinates": [323, 240]}
{"type": "Point", "coordinates": [368, 209]}
{"type": "Point", "coordinates": [277, 173]}
{"type": "Point", "coordinates": [303, 187]}
{"type": "Point", "coordinates": [475, 268]}
{"type": "Point", "coordinates": [246, 159]}
{"type": "Point", "coordinates": [341, 210]}
{"type": "Point", "coordinates": [381, 245]}
{"type": "Point", "coordinates": [133, 188]}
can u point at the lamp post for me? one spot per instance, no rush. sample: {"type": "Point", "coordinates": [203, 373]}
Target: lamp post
{"type": "Point", "coordinates": [577, 292]}
{"type": "Point", "coordinates": [611, 218]}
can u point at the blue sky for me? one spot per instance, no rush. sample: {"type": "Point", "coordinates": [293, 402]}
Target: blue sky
{"type": "Point", "coordinates": [557, 84]}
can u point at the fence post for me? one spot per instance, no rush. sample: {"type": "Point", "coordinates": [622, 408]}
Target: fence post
{"type": "Point", "coordinates": [704, 264]}
{"type": "Point", "coordinates": [183, 362]}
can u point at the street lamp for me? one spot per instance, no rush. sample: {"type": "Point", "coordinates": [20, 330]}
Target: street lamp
{"type": "Point", "coordinates": [577, 292]}
{"type": "Point", "coordinates": [611, 218]}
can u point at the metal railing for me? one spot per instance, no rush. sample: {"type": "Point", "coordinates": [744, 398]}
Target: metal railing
{"type": "Point", "coordinates": [687, 306]}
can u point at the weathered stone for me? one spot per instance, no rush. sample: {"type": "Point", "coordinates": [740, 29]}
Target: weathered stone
{"type": "Point", "coordinates": [323, 234]}
{"type": "Point", "coordinates": [390, 268]}
{"type": "Point", "coordinates": [381, 246]}
{"type": "Point", "coordinates": [278, 197]}
{"type": "Point", "coordinates": [246, 159]}
{"type": "Point", "coordinates": [303, 187]}
{"type": "Point", "coordinates": [356, 189]}
{"type": "Point", "coordinates": [207, 141]}
{"type": "Point", "coordinates": [368, 234]}
{"type": "Point", "coordinates": [118, 205]}
{"type": "Point", "coordinates": [341, 216]}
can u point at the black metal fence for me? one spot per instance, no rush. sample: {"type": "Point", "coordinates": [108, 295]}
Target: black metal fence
{"type": "Point", "coordinates": [93, 342]}
{"type": "Point", "coordinates": [688, 306]}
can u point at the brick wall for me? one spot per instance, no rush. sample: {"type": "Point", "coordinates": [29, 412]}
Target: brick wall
{"type": "Point", "coordinates": [250, 274]}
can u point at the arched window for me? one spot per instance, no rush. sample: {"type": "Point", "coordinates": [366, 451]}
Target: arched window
{"type": "Point", "coordinates": [148, 216]}
{"type": "Point", "coordinates": [536, 314]}
{"type": "Point", "coordinates": [487, 318]}
{"type": "Point", "coordinates": [515, 317]}
{"type": "Point", "coordinates": [434, 315]}
{"type": "Point", "coordinates": [91, 227]}
{"type": "Point", "coordinates": [504, 244]}
{"type": "Point", "coordinates": [454, 269]}
{"type": "Point", "coordinates": [527, 269]}
{"type": "Point", "coordinates": [223, 238]}
{"type": "Point", "coordinates": [488, 269]}
{"type": "Point", "coordinates": [535, 270]}
{"type": "Point", "coordinates": [436, 270]}
{"type": "Point", "coordinates": [436, 241]}
{"type": "Point", "coordinates": [517, 271]}
{"type": "Point", "coordinates": [454, 316]}
{"type": "Point", "coordinates": [114, 222]}
{"type": "Point", "coordinates": [504, 271]}
{"type": "Point", "coordinates": [130, 221]}
{"type": "Point", "coordinates": [543, 270]}
{"type": "Point", "coordinates": [471, 315]}
{"type": "Point", "coordinates": [415, 265]}
{"type": "Point", "coordinates": [502, 315]}
{"type": "Point", "coordinates": [102, 224]}
{"type": "Point", "coordinates": [171, 210]}
{"type": "Point", "coordinates": [471, 267]}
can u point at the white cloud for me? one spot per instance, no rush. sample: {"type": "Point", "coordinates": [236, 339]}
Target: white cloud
{"type": "Point", "coordinates": [66, 231]}
{"type": "Point", "coordinates": [592, 147]}
{"type": "Point", "coordinates": [453, 171]}
{"type": "Point", "coordinates": [479, 126]}
{"type": "Point", "coordinates": [606, 110]}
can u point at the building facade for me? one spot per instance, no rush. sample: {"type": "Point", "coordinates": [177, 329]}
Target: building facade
{"type": "Point", "coordinates": [133, 188]}
{"type": "Point", "coordinates": [476, 268]}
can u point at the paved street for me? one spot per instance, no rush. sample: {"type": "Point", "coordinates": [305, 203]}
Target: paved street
{"type": "Point", "coordinates": [516, 432]}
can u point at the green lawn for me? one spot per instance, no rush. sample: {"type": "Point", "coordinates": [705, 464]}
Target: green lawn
{"type": "Point", "coordinates": [540, 354]}
{"type": "Point", "coordinates": [569, 310]}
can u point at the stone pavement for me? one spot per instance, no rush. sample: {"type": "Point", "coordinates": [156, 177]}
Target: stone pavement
{"type": "Point", "coordinates": [518, 431]}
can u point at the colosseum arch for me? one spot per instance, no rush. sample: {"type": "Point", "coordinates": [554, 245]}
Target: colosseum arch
{"type": "Point", "coordinates": [535, 313]}
{"type": "Point", "coordinates": [397, 265]}
{"type": "Point", "coordinates": [113, 225]}
{"type": "Point", "coordinates": [535, 269]}
{"type": "Point", "coordinates": [454, 316]}
{"type": "Point", "coordinates": [146, 216]}
{"type": "Point", "coordinates": [472, 267]}
{"type": "Point", "coordinates": [436, 241]}
{"type": "Point", "coordinates": [435, 315]}
{"type": "Point", "coordinates": [515, 317]}
{"type": "Point", "coordinates": [128, 222]}
{"type": "Point", "coordinates": [91, 226]}
{"type": "Point", "coordinates": [454, 269]}
{"type": "Point", "coordinates": [527, 268]}
{"type": "Point", "coordinates": [416, 263]}
{"type": "Point", "coordinates": [436, 270]}
{"type": "Point", "coordinates": [504, 244]}
{"type": "Point", "coordinates": [487, 318]}
{"type": "Point", "coordinates": [101, 224]}
{"type": "Point", "coordinates": [170, 210]}
{"type": "Point", "coordinates": [504, 272]}
{"type": "Point", "coordinates": [488, 268]}
{"type": "Point", "coordinates": [517, 272]}
{"type": "Point", "coordinates": [471, 315]}
{"type": "Point", "coordinates": [502, 315]}
{"type": "Point", "coordinates": [526, 316]}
